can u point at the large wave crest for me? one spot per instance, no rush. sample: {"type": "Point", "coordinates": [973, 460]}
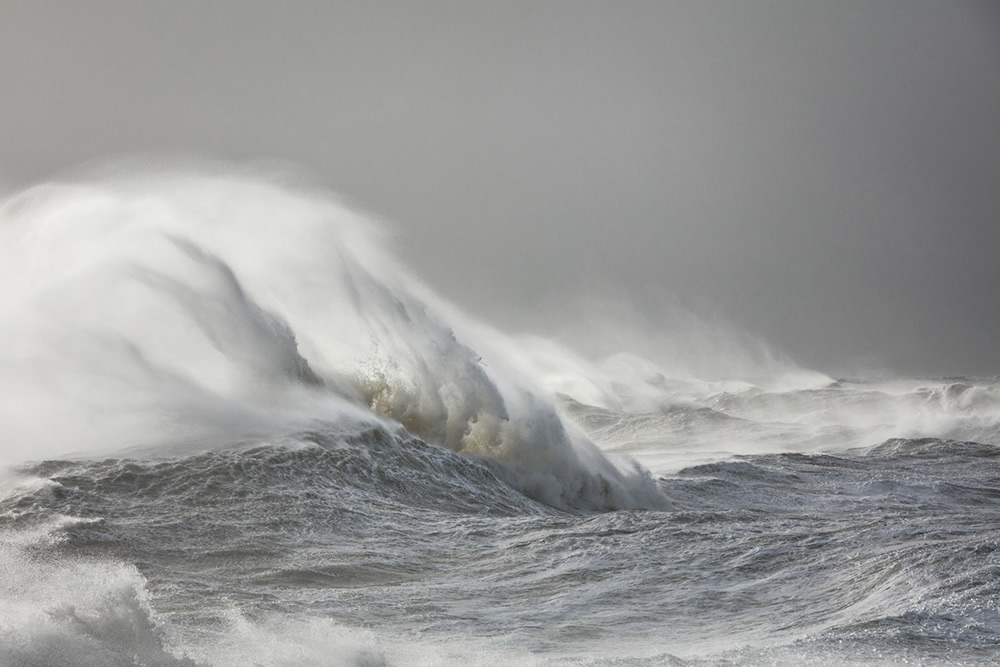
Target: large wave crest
{"type": "Point", "coordinates": [187, 309]}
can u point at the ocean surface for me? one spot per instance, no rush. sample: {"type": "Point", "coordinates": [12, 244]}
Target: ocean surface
{"type": "Point", "coordinates": [237, 431]}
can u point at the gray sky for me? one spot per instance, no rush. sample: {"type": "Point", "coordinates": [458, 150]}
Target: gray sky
{"type": "Point", "coordinates": [824, 174]}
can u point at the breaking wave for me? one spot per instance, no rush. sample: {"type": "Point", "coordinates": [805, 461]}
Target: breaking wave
{"type": "Point", "coordinates": [175, 311]}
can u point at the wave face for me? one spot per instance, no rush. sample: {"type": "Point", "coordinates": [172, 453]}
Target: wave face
{"type": "Point", "coordinates": [237, 431]}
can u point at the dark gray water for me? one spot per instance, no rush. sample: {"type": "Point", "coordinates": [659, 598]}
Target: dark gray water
{"type": "Point", "coordinates": [380, 548]}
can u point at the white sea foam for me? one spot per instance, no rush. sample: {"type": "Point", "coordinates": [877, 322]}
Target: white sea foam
{"type": "Point", "coordinates": [62, 613]}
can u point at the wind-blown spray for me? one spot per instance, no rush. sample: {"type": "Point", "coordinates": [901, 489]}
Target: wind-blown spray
{"type": "Point", "coordinates": [178, 310]}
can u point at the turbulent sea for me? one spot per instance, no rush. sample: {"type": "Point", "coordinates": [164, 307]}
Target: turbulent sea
{"type": "Point", "coordinates": [234, 430]}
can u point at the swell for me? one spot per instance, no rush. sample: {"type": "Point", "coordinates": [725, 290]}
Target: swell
{"type": "Point", "coordinates": [218, 533]}
{"type": "Point", "coordinates": [890, 551]}
{"type": "Point", "coordinates": [322, 474]}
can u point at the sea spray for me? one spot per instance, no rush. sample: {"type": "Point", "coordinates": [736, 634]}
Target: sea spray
{"type": "Point", "coordinates": [178, 308]}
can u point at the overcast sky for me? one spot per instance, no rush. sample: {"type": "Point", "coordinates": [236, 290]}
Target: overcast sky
{"type": "Point", "coordinates": [824, 174]}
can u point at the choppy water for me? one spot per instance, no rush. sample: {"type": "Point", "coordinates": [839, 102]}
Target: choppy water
{"type": "Point", "coordinates": [238, 433]}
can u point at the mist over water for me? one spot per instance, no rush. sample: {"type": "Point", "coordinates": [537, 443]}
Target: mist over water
{"type": "Point", "coordinates": [237, 430]}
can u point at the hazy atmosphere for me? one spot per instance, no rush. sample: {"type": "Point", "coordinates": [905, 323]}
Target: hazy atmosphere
{"type": "Point", "coordinates": [821, 174]}
{"type": "Point", "coordinates": [551, 334]}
